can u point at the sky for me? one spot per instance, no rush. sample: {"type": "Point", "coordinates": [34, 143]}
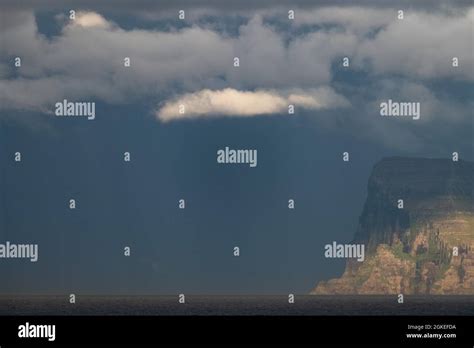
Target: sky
{"type": "Point", "coordinates": [190, 62]}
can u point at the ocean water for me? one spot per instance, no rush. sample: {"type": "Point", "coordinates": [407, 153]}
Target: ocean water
{"type": "Point", "coordinates": [237, 305]}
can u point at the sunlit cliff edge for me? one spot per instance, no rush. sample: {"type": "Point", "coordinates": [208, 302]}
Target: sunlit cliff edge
{"type": "Point", "coordinates": [413, 250]}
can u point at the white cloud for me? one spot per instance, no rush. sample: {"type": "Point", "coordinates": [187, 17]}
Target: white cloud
{"type": "Point", "coordinates": [84, 61]}
{"type": "Point", "coordinates": [91, 50]}
{"type": "Point", "coordinates": [231, 102]}
{"type": "Point", "coordinates": [87, 19]}
{"type": "Point", "coordinates": [422, 45]}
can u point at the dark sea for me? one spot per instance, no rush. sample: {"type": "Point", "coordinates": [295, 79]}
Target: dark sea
{"type": "Point", "coordinates": [237, 305]}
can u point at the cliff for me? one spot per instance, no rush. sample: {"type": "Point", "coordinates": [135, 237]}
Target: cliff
{"type": "Point", "coordinates": [413, 250]}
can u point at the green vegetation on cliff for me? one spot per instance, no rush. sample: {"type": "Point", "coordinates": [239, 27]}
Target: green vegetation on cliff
{"type": "Point", "coordinates": [412, 250]}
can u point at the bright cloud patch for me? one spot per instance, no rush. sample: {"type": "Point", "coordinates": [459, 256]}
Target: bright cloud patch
{"type": "Point", "coordinates": [231, 102]}
{"type": "Point", "coordinates": [90, 20]}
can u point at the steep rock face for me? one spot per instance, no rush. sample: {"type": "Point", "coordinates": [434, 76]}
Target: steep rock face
{"type": "Point", "coordinates": [412, 250]}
